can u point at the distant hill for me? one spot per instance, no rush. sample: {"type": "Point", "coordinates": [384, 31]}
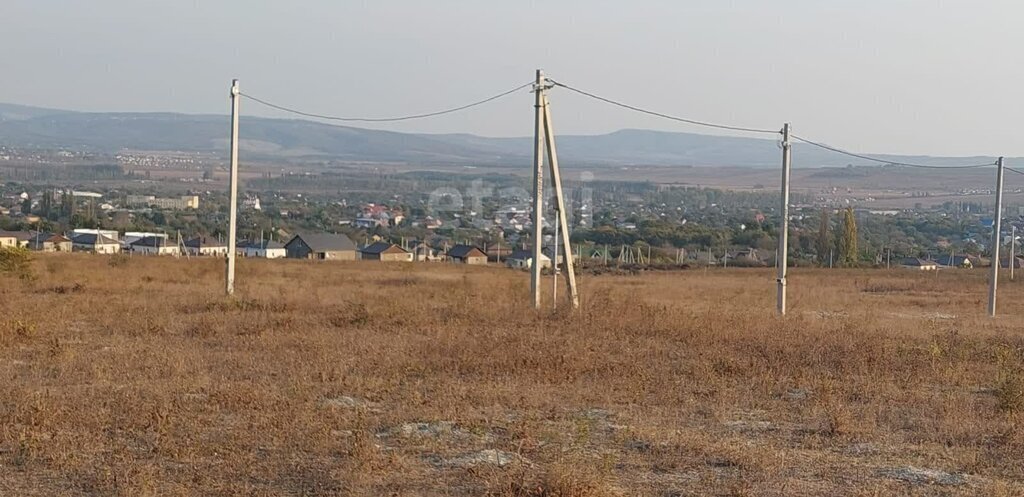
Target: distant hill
{"type": "Point", "coordinates": [33, 127]}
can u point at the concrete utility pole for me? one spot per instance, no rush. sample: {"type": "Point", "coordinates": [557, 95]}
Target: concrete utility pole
{"type": "Point", "coordinates": [996, 240]}
{"type": "Point", "coordinates": [233, 209]}
{"type": "Point", "coordinates": [784, 228]}
{"type": "Point", "coordinates": [554, 270]}
{"type": "Point", "coordinates": [538, 185]}
{"type": "Point", "coordinates": [556, 180]}
{"type": "Point", "coordinates": [1013, 248]}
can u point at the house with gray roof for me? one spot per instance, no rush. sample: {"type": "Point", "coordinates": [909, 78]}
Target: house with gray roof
{"type": "Point", "coordinates": [95, 242]}
{"type": "Point", "coordinates": [203, 245]}
{"type": "Point", "coordinates": [467, 254]}
{"type": "Point", "coordinates": [49, 242]}
{"type": "Point", "coordinates": [384, 252]}
{"type": "Point", "coordinates": [267, 249]}
{"type": "Point", "coordinates": [523, 259]}
{"type": "Point", "coordinates": [15, 238]}
{"type": "Point", "coordinates": [154, 245]}
{"type": "Point", "coordinates": [322, 246]}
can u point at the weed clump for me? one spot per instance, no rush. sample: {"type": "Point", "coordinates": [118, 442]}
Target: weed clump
{"type": "Point", "coordinates": [118, 260]}
{"type": "Point", "coordinates": [16, 261]}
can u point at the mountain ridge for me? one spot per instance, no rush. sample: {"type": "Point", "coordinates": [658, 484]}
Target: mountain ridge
{"type": "Point", "coordinates": [37, 127]}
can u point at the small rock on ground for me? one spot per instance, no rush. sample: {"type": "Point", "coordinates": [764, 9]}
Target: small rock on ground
{"type": "Point", "coordinates": [742, 425]}
{"type": "Point", "coordinates": [919, 476]}
{"type": "Point", "coordinates": [493, 457]}
{"type": "Point", "coordinates": [433, 429]}
{"type": "Point", "coordinates": [796, 394]}
{"type": "Point", "coordinates": [345, 402]}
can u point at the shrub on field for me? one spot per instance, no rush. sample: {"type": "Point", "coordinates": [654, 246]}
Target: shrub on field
{"type": "Point", "coordinates": [16, 261]}
{"type": "Point", "coordinates": [1010, 393]}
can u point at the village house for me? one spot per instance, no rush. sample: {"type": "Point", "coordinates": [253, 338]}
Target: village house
{"type": "Point", "coordinates": [384, 252]}
{"type": "Point", "coordinates": [918, 264]}
{"type": "Point", "coordinates": [7, 239]}
{"type": "Point", "coordinates": [498, 253]}
{"type": "Point", "coordinates": [49, 242]}
{"type": "Point", "coordinates": [744, 257]}
{"type": "Point", "coordinates": [266, 249]}
{"type": "Point", "coordinates": [432, 223]}
{"type": "Point", "coordinates": [131, 237]}
{"type": "Point", "coordinates": [111, 234]}
{"type": "Point", "coordinates": [368, 222]}
{"type": "Point", "coordinates": [523, 259]}
{"type": "Point", "coordinates": [467, 254]}
{"type": "Point", "coordinates": [960, 261]}
{"type": "Point", "coordinates": [154, 245]}
{"type": "Point", "coordinates": [96, 243]}
{"type": "Point", "coordinates": [205, 246]}
{"type": "Point", "coordinates": [559, 258]}
{"type": "Point", "coordinates": [14, 238]}
{"type": "Point", "coordinates": [423, 252]}
{"type": "Point", "coordinates": [323, 246]}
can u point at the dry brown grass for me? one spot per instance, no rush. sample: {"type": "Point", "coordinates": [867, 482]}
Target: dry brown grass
{"type": "Point", "coordinates": [361, 379]}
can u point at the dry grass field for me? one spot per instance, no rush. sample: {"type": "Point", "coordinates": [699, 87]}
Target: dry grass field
{"type": "Point", "coordinates": [142, 379]}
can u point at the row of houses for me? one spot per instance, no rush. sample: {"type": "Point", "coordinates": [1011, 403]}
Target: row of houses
{"type": "Point", "coordinates": [35, 240]}
{"type": "Point", "coordinates": [319, 246]}
{"type": "Point", "coordinates": [958, 261]}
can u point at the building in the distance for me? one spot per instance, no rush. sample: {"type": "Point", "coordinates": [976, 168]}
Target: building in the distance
{"type": "Point", "coordinates": [324, 246]}
{"type": "Point", "coordinates": [96, 243]}
{"type": "Point", "coordinates": [154, 245]}
{"type": "Point", "coordinates": [133, 236]}
{"type": "Point", "coordinates": [523, 259]}
{"type": "Point", "coordinates": [49, 242]}
{"type": "Point", "coordinates": [384, 252]}
{"type": "Point", "coordinates": [13, 238]}
{"type": "Point", "coordinates": [180, 203]}
{"type": "Point", "coordinates": [112, 234]}
{"type": "Point", "coordinates": [467, 254]}
{"type": "Point", "coordinates": [205, 246]}
{"type": "Point", "coordinates": [266, 249]}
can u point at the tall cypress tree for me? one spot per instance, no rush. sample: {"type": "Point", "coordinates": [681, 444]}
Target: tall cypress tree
{"type": "Point", "coordinates": [848, 244]}
{"type": "Point", "coordinates": [824, 243]}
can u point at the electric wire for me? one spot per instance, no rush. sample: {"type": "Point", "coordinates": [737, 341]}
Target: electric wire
{"type": "Point", "coordinates": [758, 130]}
{"type": "Point", "coordinates": [884, 161]}
{"type": "Point", "coordinates": [662, 115]}
{"type": "Point", "coordinates": [386, 119]}
{"type": "Point", "coordinates": [618, 104]}
{"type": "Point", "coordinates": [1012, 170]}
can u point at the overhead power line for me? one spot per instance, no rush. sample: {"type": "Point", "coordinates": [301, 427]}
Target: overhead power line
{"type": "Point", "coordinates": [387, 119]}
{"type": "Point", "coordinates": [662, 115]}
{"type": "Point", "coordinates": [1012, 170]}
{"type": "Point", "coordinates": [884, 161]}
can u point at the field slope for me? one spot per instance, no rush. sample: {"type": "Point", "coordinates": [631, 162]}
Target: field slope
{"type": "Point", "coordinates": [140, 378]}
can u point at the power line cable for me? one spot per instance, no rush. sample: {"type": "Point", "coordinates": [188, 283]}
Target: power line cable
{"type": "Point", "coordinates": [758, 130]}
{"type": "Point", "coordinates": [662, 115]}
{"type": "Point", "coordinates": [1012, 170]}
{"type": "Point", "coordinates": [385, 119]}
{"type": "Point", "coordinates": [884, 161]}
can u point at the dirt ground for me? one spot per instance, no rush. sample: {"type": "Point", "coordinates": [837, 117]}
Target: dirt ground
{"type": "Point", "coordinates": [137, 377]}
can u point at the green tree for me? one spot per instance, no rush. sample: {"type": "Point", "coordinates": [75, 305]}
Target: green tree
{"type": "Point", "coordinates": [848, 243]}
{"type": "Point", "coordinates": [45, 205]}
{"type": "Point", "coordinates": [824, 242]}
{"type": "Point", "coordinates": [26, 206]}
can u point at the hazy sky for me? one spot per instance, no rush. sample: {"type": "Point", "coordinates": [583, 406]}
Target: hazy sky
{"type": "Point", "coordinates": [899, 76]}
